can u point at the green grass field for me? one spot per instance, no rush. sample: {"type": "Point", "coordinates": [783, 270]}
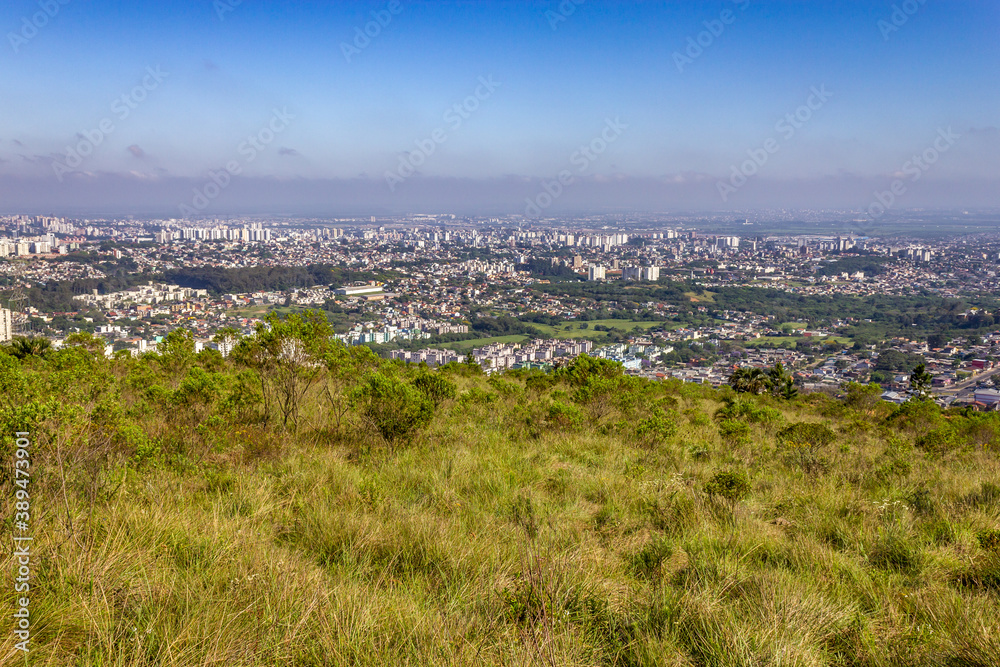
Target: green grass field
{"type": "Point", "coordinates": [778, 340]}
{"type": "Point", "coordinates": [337, 509]}
{"type": "Point", "coordinates": [468, 345]}
{"type": "Point", "coordinates": [573, 330]}
{"type": "Point", "coordinates": [250, 311]}
{"type": "Point", "coordinates": [704, 297]}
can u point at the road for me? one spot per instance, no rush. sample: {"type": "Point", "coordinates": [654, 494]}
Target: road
{"type": "Point", "coordinates": [968, 383]}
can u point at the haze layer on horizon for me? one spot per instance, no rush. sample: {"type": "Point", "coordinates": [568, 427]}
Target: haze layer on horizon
{"type": "Point", "coordinates": [212, 107]}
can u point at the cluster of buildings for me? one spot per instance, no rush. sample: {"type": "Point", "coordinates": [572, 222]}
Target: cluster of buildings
{"type": "Point", "coordinates": [255, 232]}
{"type": "Point", "coordinates": [149, 294]}
{"type": "Point", "coordinates": [503, 356]}
{"type": "Point", "coordinates": [26, 246]}
{"type": "Point", "coordinates": [437, 272]}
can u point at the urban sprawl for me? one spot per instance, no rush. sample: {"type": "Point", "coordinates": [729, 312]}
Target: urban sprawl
{"type": "Point", "coordinates": [666, 297]}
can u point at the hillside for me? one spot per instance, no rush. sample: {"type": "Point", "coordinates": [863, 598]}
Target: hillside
{"type": "Point", "coordinates": [301, 503]}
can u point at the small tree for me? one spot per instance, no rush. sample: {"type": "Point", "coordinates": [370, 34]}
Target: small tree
{"type": "Point", "coordinates": [227, 337]}
{"type": "Point", "coordinates": [395, 409]}
{"type": "Point", "coordinates": [176, 351]}
{"type": "Point", "coordinates": [731, 485]}
{"type": "Point", "coordinates": [749, 381]}
{"type": "Point", "coordinates": [920, 382]}
{"type": "Point", "coordinates": [23, 348]}
{"type": "Point", "coordinates": [788, 390]}
{"type": "Point", "coordinates": [864, 397]}
{"type": "Point", "coordinates": [346, 367]}
{"type": "Point", "coordinates": [286, 355]}
{"type": "Point", "coordinates": [87, 341]}
{"type": "Point", "coordinates": [435, 387]}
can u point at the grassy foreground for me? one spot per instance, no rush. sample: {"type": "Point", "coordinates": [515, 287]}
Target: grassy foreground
{"type": "Point", "coordinates": [184, 514]}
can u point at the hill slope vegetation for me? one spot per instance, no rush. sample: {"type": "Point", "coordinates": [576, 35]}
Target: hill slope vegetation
{"type": "Point", "coordinates": [302, 503]}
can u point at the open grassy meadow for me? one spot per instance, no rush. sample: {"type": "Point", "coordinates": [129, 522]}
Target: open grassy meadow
{"type": "Point", "coordinates": [572, 329]}
{"type": "Point", "coordinates": [470, 344]}
{"type": "Point", "coordinates": [304, 504]}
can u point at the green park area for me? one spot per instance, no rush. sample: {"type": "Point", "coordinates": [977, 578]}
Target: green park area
{"type": "Point", "coordinates": [574, 329]}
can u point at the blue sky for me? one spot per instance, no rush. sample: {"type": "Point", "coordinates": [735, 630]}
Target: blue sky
{"type": "Point", "coordinates": [353, 119]}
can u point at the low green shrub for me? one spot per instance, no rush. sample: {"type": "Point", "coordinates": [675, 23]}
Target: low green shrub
{"type": "Point", "coordinates": [730, 485]}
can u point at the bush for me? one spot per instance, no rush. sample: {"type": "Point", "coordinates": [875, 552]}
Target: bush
{"type": "Point", "coordinates": [396, 410]}
{"type": "Point", "coordinates": [565, 416]}
{"type": "Point", "coordinates": [805, 441]}
{"type": "Point", "coordinates": [731, 485]}
{"type": "Point", "coordinates": [939, 440]}
{"type": "Point", "coordinates": [735, 432]}
{"type": "Point", "coordinates": [989, 539]}
{"type": "Point", "coordinates": [750, 411]}
{"type": "Point", "coordinates": [646, 563]}
{"type": "Point", "coordinates": [807, 434]}
{"type": "Point", "coordinates": [916, 416]}
{"type": "Point", "coordinates": [477, 396]}
{"type": "Point", "coordinates": [988, 494]}
{"type": "Point", "coordinates": [505, 388]}
{"type": "Point", "coordinates": [435, 387]}
{"type": "Point", "coordinates": [583, 367]}
{"type": "Point", "coordinates": [657, 429]}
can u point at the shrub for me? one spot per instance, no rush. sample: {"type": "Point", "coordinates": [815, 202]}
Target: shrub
{"type": "Point", "coordinates": [396, 410]}
{"type": "Point", "coordinates": [920, 501]}
{"type": "Point", "coordinates": [938, 440]}
{"type": "Point", "coordinates": [646, 563]}
{"type": "Point", "coordinates": [807, 434]}
{"type": "Point", "coordinates": [988, 494]}
{"type": "Point", "coordinates": [731, 485]}
{"type": "Point", "coordinates": [583, 367]}
{"type": "Point", "coordinates": [657, 429]}
{"type": "Point", "coordinates": [539, 382]}
{"type": "Point", "coordinates": [806, 440]}
{"type": "Point", "coordinates": [916, 416]}
{"type": "Point", "coordinates": [435, 387]}
{"type": "Point", "coordinates": [565, 416]}
{"type": "Point", "coordinates": [147, 452]}
{"type": "Point", "coordinates": [505, 388]}
{"type": "Point", "coordinates": [989, 539]}
{"type": "Point", "coordinates": [749, 411]}
{"type": "Point", "coordinates": [862, 397]}
{"type": "Point", "coordinates": [983, 574]}
{"type": "Point", "coordinates": [477, 396]}
{"type": "Point", "coordinates": [734, 431]}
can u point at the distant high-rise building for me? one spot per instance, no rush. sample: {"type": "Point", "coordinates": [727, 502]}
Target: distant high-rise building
{"type": "Point", "coordinates": [596, 273]}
